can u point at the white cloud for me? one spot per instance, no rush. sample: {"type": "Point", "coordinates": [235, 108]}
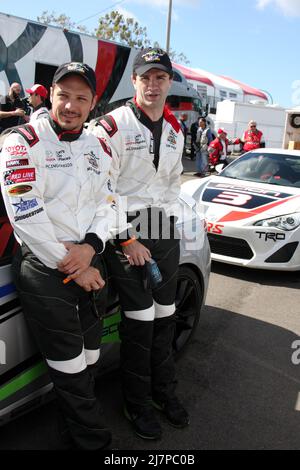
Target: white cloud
{"type": "Point", "coordinates": [288, 7]}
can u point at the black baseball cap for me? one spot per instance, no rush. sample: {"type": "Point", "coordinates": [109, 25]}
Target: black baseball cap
{"type": "Point", "coordinates": [152, 58]}
{"type": "Point", "coordinates": [78, 68]}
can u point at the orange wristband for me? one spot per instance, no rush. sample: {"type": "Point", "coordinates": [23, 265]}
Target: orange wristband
{"type": "Point", "coordinates": [128, 242]}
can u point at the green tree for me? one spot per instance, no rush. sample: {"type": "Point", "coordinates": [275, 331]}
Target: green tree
{"type": "Point", "coordinates": [61, 20]}
{"type": "Point", "coordinates": [127, 31]}
{"type": "Point", "coordinates": [178, 57]}
{"type": "Point", "coordinates": [113, 26]}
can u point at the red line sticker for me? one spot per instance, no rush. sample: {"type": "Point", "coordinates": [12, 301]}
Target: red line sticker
{"type": "Point", "coordinates": [19, 176]}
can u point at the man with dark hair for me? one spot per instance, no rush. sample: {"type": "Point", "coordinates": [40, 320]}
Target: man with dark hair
{"type": "Point", "coordinates": [11, 108]}
{"type": "Point", "coordinates": [203, 139]}
{"type": "Point", "coordinates": [147, 143]}
{"type": "Point", "coordinates": [193, 130]}
{"type": "Point", "coordinates": [58, 196]}
{"type": "Point", "coordinates": [37, 96]}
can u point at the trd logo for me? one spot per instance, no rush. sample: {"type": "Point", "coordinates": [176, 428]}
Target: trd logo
{"type": "Point", "coordinates": [296, 354]}
{"type": "Point", "coordinates": [214, 228]}
{"type": "Point", "coordinates": [276, 237]}
{"type": "Point", "coordinates": [2, 352]}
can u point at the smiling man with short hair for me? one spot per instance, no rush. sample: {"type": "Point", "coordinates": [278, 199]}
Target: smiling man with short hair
{"type": "Point", "coordinates": [59, 199]}
{"type": "Point", "coordinates": [147, 143]}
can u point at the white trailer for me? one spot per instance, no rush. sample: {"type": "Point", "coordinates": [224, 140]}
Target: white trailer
{"type": "Point", "coordinates": [234, 117]}
{"type": "Point", "coordinates": [30, 53]}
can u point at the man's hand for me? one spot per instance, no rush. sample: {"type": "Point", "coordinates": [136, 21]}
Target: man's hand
{"type": "Point", "coordinates": [90, 280]}
{"type": "Point", "coordinates": [137, 253]}
{"type": "Point", "coordinates": [19, 112]}
{"type": "Point", "coordinates": [77, 260]}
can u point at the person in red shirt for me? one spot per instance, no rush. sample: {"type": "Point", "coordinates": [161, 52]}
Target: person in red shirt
{"type": "Point", "coordinates": [218, 148]}
{"type": "Point", "coordinates": [252, 138]}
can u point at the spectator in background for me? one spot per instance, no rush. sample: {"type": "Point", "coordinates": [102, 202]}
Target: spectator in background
{"type": "Point", "coordinates": [182, 121]}
{"type": "Point", "coordinates": [37, 96]}
{"type": "Point", "coordinates": [12, 110]}
{"type": "Point", "coordinates": [203, 139]}
{"type": "Point", "coordinates": [218, 148]}
{"type": "Point", "coordinates": [252, 138]}
{"type": "Point", "coordinates": [193, 130]}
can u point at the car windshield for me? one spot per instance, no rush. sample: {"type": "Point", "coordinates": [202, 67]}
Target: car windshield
{"type": "Point", "coordinates": [272, 168]}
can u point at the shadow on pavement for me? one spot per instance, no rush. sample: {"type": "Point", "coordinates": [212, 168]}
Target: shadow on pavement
{"type": "Point", "coordinates": [260, 276]}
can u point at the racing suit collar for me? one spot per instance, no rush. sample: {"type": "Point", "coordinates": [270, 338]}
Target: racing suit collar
{"type": "Point", "coordinates": [141, 115]}
{"type": "Point", "coordinates": [41, 105]}
{"type": "Point", "coordinates": [167, 114]}
{"type": "Point", "coordinates": [65, 136]}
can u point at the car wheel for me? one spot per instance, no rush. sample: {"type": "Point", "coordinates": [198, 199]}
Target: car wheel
{"type": "Point", "coordinates": [188, 301]}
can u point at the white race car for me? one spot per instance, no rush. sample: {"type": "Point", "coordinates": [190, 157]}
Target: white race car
{"type": "Point", "coordinates": [252, 210]}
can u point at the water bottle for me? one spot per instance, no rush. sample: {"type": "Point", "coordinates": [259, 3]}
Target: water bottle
{"type": "Point", "coordinates": [154, 273]}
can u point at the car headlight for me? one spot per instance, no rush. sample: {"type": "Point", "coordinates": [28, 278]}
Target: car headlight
{"type": "Point", "coordinates": [284, 222]}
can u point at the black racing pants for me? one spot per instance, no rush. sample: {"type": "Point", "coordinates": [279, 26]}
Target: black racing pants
{"type": "Point", "coordinates": [67, 329]}
{"type": "Point", "coordinates": [148, 322]}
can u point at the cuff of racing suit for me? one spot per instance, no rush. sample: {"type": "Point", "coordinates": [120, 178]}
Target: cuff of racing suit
{"type": "Point", "coordinates": [95, 242]}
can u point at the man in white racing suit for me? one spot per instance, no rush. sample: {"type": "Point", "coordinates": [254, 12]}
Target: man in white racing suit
{"type": "Point", "coordinates": [37, 96]}
{"type": "Point", "coordinates": [147, 143]}
{"type": "Point", "coordinates": [56, 188]}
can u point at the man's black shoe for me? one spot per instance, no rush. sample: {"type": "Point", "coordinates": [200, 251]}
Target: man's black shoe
{"type": "Point", "coordinates": [173, 411]}
{"type": "Point", "coordinates": [143, 420]}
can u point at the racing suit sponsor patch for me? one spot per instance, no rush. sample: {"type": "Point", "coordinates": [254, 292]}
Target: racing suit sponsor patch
{"type": "Point", "coordinates": [19, 176]}
{"type": "Point", "coordinates": [92, 159]}
{"type": "Point", "coordinates": [23, 206]}
{"type": "Point", "coordinates": [30, 214]}
{"type": "Point", "coordinates": [17, 162]}
{"type": "Point", "coordinates": [16, 150]}
{"type": "Point", "coordinates": [109, 124]}
{"type": "Point", "coordinates": [172, 140]}
{"type": "Point", "coordinates": [105, 146]}
{"type": "Point", "coordinates": [29, 134]}
{"type": "Point", "coordinates": [16, 191]}
{"type": "Point", "coordinates": [109, 186]}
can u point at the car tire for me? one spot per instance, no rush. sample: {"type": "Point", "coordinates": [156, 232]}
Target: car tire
{"type": "Point", "coordinates": [188, 301]}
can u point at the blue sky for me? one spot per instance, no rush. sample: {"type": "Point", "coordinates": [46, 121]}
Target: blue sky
{"type": "Point", "coordinates": [254, 41]}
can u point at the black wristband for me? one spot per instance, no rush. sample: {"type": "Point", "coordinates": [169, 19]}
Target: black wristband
{"type": "Point", "coordinates": [94, 241]}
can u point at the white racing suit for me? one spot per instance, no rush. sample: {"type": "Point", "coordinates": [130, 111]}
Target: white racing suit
{"type": "Point", "coordinates": [39, 113]}
{"type": "Point", "coordinates": [56, 188]}
{"type": "Point", "coordinates": [146, 173]}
